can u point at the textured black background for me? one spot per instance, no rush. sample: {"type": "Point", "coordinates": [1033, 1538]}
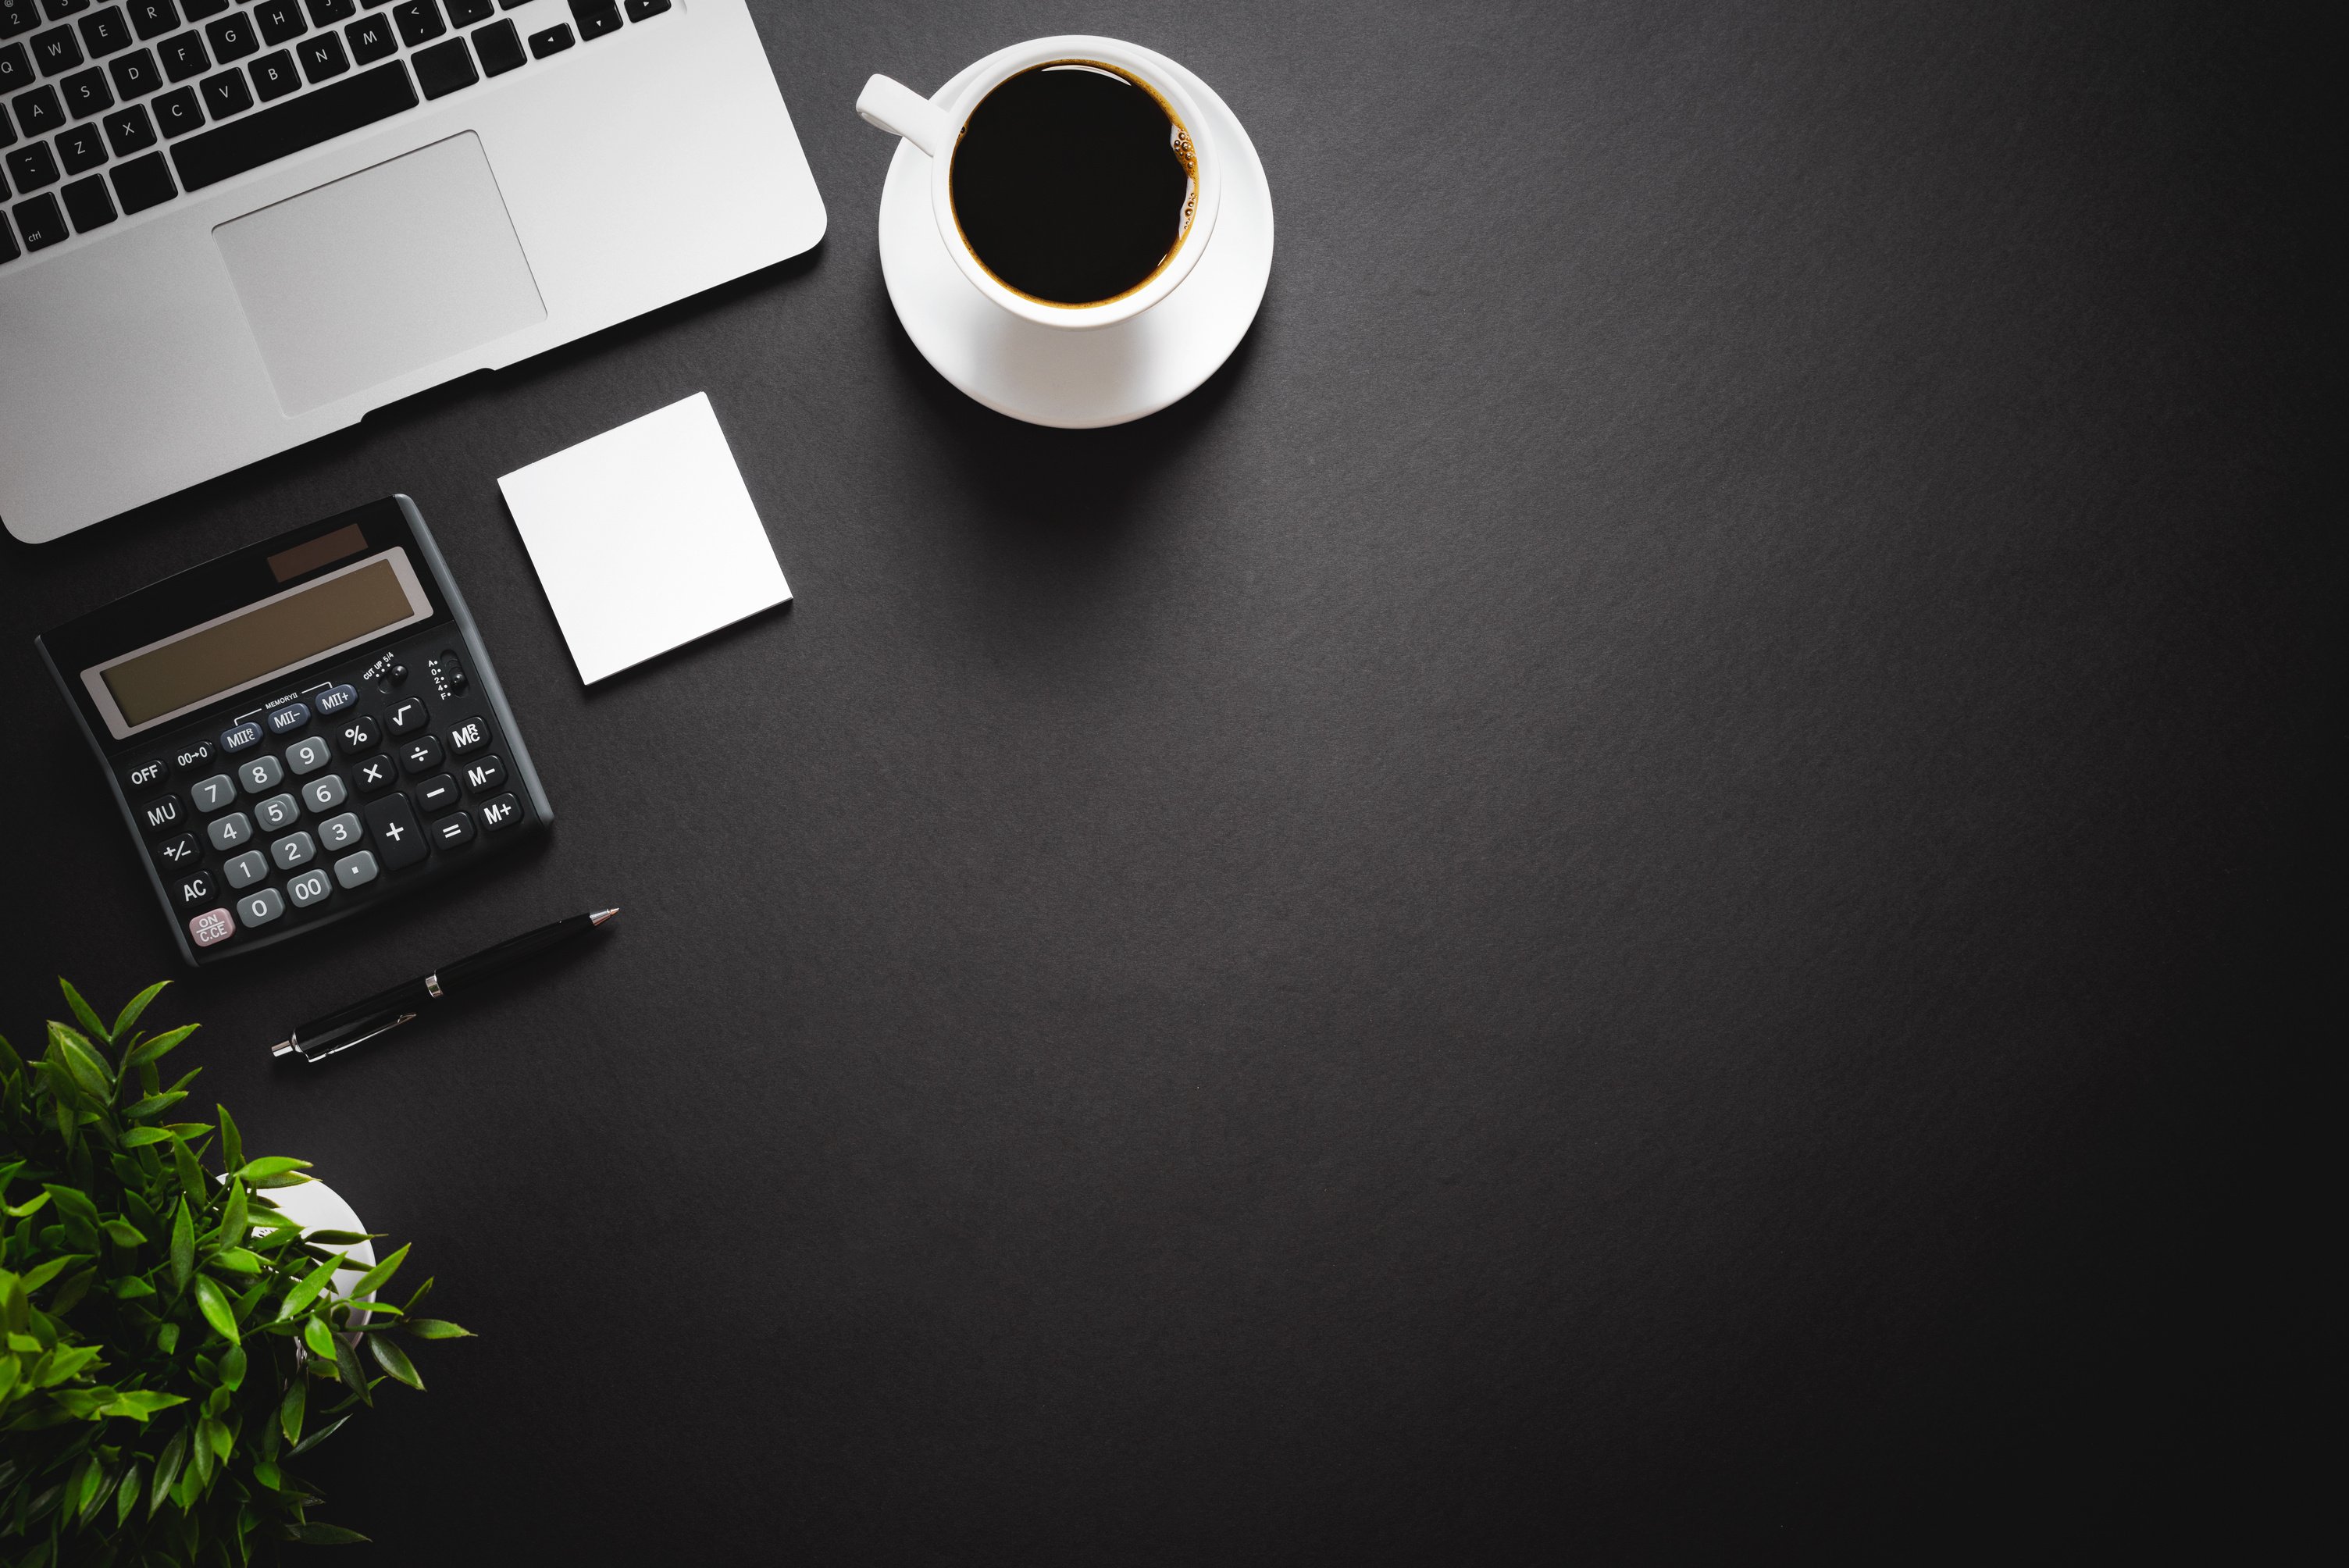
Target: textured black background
{"type": "Point", "coordinates": [1648, 888]}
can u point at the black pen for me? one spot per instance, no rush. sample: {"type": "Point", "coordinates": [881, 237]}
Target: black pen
{"type": "Point", "coordinates": [380, 1014]}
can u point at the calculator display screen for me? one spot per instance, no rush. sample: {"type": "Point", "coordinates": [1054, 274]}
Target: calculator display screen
{"type": "Point", "coordinates": [246, 647]}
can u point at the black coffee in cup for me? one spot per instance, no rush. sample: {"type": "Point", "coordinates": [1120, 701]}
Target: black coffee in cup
{"type": "Point", "coordinates": [1073, 183]}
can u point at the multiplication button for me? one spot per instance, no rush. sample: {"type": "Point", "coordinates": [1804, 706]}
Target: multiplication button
{"type": "Point", "coordinates": [372, 773]}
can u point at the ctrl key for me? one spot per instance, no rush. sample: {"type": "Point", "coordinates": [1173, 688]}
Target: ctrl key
{"type": "Point", "coordinates": [212, 927]}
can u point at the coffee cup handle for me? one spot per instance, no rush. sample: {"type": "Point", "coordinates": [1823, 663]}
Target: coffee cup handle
{"type": "Point", "coordinates": [901, 111]}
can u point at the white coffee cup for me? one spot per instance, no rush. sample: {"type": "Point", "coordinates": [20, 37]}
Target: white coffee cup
{"type": "Point", "coordinates": [935, 129]}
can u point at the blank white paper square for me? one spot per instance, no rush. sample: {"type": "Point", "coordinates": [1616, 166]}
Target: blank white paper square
{"type": "Point", "coordinates": [644, 538]}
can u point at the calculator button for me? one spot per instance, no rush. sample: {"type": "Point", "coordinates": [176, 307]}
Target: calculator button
{"type": "Point", "coordinates": [325, 792]}
{"type": "Point", "coordinates": [193, 889]}
{"type": "Point", "coordinates": [287, 719]}
{"type": "Point", "coordinates": [211, 926]}
{"type": "Point", "coordinates": [227, 832]}
{"type": "Point", "coordinates": [452, 830]}
{"type": "Point", "coordinates": [373, 774]}
{"type": "Point", "coordinates": [436, 793]}
{"type": "Point", "coordinates": [211, 794]}
{"type": "Point", "coordinates": [358, 733]}
{"type": "Point", "coordinates": [293, 849]}
{"type": "Point", "coordinates": [308, 755]}
{"type": "Point", "coordinates": [162, 814]}
{"type": "Point", "coordinates": [244, 737]}
{"type": "Point", "coordinates": [420, 755]}
{"type": "Point", "coordinates": [353, 870]}
{"type": "Point", "coordinates": [147, 774]}
{"type": "Point", "coordinates": [260, 908]}
{"type": "Point", "coordinates": [308, 889]}
{"type": "Point", "coordinates": [261, 773]}
{"type": "Point", "coordinates": [247, 869]}
{"type": "Point", "coordinates": [502, 812]}
{"type": "Point", "coordinates": [468, 736]}
{"type": "Point", "coordinates": [180, 851]}
{"type": "Point", "coordinates": [393, 826]}
{"type": "Point", "coordinates": [483, 775]}
{"type": "Point", "coordinates": [334, 699]}
{"type": "Point", "coordinates": [277, 811]}
{"type": "Point", "coordinates": [411, 715]}
{"type": "Point", "coordinates": [194, 754]}
{"type": "Point", "coordinates": [340, 832]}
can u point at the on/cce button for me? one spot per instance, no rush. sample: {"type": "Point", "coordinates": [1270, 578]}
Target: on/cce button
{"type": "Point", "coordinates": [214, 925]}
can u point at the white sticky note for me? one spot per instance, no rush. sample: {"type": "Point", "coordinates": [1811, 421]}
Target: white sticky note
{"type": "Point", "coordinates": [644, 538]}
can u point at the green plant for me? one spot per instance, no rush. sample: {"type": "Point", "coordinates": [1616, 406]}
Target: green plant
{"type": "Point", "coordinates": [168, 1329]}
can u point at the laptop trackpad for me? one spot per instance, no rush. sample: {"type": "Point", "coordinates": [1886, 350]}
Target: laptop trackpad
{"type": "Point", "coordinates": [381, 272]}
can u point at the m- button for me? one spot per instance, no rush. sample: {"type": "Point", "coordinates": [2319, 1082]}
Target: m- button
{"type": "Point", "coordinates": [468, 736]}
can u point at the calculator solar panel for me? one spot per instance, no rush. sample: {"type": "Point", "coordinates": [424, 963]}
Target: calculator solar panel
{"type": "Point", "coordinates": [298, 730]}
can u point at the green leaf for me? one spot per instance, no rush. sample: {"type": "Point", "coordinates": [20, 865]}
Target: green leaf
{"type": "Point", "coordinates": [303, 1294]}
{"type": "Point", "coordinates": [289, 1412]}
{"type": "Point", "coordinates": [344, 1238]}
{"type": "Point", "coordinates": [236, 1259]}
{"type": "Point", "coordinates": [437, 1329]}
{"type": "Point", "coordinates": [310, 1532]}
{"type": "Point", "coordinates": [183, 1246]}
{"type": "Point", "coordinates": [127, 1497]}
{"type": "Point", "coordinates": [192, 1175]}
{"type": "Point", "coordinates": [161, 1046]}
{"type": "Point", "coordinates": [91, 1073]}
{"type": "Point", "coordinates": [30, 1206]}
{"type": "Point", "coordinates": [315, 1438]}
{"type": "Point", "coordinates": [139, 1404]}
{"type": "Point", "coordinates": [215, 1308]}
{"type": "Point", "coordinates": [394, 1360]}
{"type": "Point", "coordinates": [270, 1165]}
{"type": "Point", "coordinates": [161, 1100]}
{"type": "Point", "coordinates": [231, 1231]}
{"type": "Point", "coordinates": [70, 1293]}
{"type": "Point", "coordinates": [319, 1338]}
{"type": "Point", "coordinates": [141, 1137]}
{"type": "Point", "coordinates": [231, 1367]}
{"type": "Point", "coordinates": [82, 1010]}
{"type": "Point", "coordinates": [378, 1277]}
{"type": "Point", "coordinates": [216, 1437]}
{"type": "Point", "coordinates": [123, 1233]}
{"type": "Point", "coordinates": [232, 1140]}
{"type": "Point", "coordinates": [136, 1006]}
{"type": "Point", "coordinates": [129, 1287]}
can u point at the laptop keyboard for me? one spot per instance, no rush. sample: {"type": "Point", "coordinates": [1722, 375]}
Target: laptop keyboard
{"type": "Point", "coordinates": [114, 108]}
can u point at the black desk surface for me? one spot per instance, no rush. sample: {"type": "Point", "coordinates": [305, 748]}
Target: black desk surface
{"type": "Point", "coordinates": [1644, 887]}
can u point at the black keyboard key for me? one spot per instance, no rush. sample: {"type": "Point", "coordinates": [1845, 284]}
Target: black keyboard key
{"type": "Point", "coordinates": [59, 10]}
{"type": "Point", "coordinates": [87, 203]}
{"type": "Point", "coordinates": [183, 57]}
{"type": "Point", "coordinates": [550, 41]}
{"type": "Point", "coordinates": [151, 19]}
{"type": "Point", "coordinates": [465, 13]}
{"type": "Point", "coordinates": [143, 183]}
{"type": "Point", "coordinates": [595, 17]}
{"type": "Point", "coordinates": [104, 32]}
{"type": "Point", "coordinates": [129, 130]}
{"type": "Point", "coordinates": [232, 37]}
{"type": "Point", "coordinates": [279, 20]}
{"type": "Point", "coordinates": [274, 75]}
{"type": "Point", "coordinates": [39, 221]}
{"type": "Point", "coordinates": [197, 10]}
{"type": "Point", "coordinates": [9, 251]}
{"type": "Point", "coordinates": [225, 94]}
{"type": "Point", "coordinates": [15, 67]}
{"type": "Point", "coordinates": [135, 75]}
{"type": "Point", "coordinates": [500, 48]}
{"type": "Point", "coordinates": [392, 825]}
{"type": "Point", "coordinates": [371, 38]}
{"type": "Point", "coordinates": [453, 830]}
{"type": "Point", "coordinates": [56, 50]}
{"type": "Point", "coordinates": [173, 853]}
{"type": "Point", "coordinates": [437, 794]}
{"type": "Point", "coordinates": [304, 121]}
{"type": "Point", "coordinates": [444, 68]}
{"type": "Point", "coordinates": [17, 16]}
{"type": "Point", "coordinates": [327, 13]}
{"type": "Point", "coordinates": [38, 112]}
{"type": "Point", "coordinates": [31, 168]}
{"type": "Point", "coordinates": [370, 774]}
{"type": "Point", "coordinates": [484, 774]}
{"type": "Point", "coordinates": [85, 93]}
{"type": "Point", "coordinates": [81, 149]}
{"type": "Point", "coordinates": [420, 755]}
{"type": "Point", "coordinates": [639, 10]}
{"type": "Point", "coordinates": [419, 21]}
{"type": "Point", "coordinates": [177, 112]}
{"type": "Point", "coordinates": [322, 56]}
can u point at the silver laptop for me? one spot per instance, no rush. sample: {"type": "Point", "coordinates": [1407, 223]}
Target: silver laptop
{"type": "Point", "coordinates": [232, 226]}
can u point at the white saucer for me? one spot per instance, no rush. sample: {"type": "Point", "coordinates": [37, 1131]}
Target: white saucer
{"type": "Point", "coordinates": [1078, 379]}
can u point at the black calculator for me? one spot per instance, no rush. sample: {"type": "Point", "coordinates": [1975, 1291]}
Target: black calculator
{"type": "Point", "coordinates": [298, 730]}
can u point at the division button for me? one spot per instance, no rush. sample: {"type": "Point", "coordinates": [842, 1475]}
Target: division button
{"type": "Point", "coordinates": [147, 774]}
{"type": "Point", "coordinates": [308, 889]}
{"type": "Point", "coordinates": [393, 827]}
{"type": "Point", "coordinates": [247, 869]}
{"type": "Point", "coordinates": [227, 832]}
{"type": "Point", "coordinates": [484, 774]}
{"type": "Point", "coordinates": [470, 736]}
{"type": "Point", "coordinates": [323, 794]}
{"type": "Point", "coordinates": [420, 755]}
{"type": "Point", "coordinates": [214, 925]}
{"type": "Point", "coordinates": [287, 719]}
{"type": "Point", "coordinates": [340, 832]}
{"type": "Point", "coordinates": [277, 811]}
{"type": "Point", "coordinates": [211, 794]}
{"type": "Point", "coordinates": [293, 849]}
{"type": "Point", "coordinates": [242, 737]}
{"type": "Point", "coordinates": [372, 774]}
{"type": "Point", "coordinates": [193, 889]}
{"type": "Point", "coordinates": [409, 717]}
{"type": "Point", "coordinates": [452, 830]}
{"type": "Point", "coordinates": [180, 851]}
{"type": "Point", "coordinates": [162, 814]}
{"type": "Point", "coordinates": [436, 793]}
{"type": "Point", "coordinates": [308, 755]}
{"type": "Point", "coordinates": [500, 813]}
{"type": "Point", "coordinates": [351, 870]}
{"type": "Point", "coordinates": [259, 773]}
{"type": "Point", "coordinates": [260, 908]}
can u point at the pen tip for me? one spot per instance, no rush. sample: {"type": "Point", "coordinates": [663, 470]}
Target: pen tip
{"type": "Point", "coordinates": [281, 1048]}
{"type": "Point", "coordinates": [601, 915]}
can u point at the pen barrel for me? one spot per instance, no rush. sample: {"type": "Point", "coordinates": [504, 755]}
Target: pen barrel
{"type": "Point", "coordinates": [328, 1034]}
{"type": "Point", "coordinates": [479, 966]}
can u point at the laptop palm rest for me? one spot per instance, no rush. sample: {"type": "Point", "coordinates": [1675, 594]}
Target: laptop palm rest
{"type": "Point", "coordinates": [379, 274]}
